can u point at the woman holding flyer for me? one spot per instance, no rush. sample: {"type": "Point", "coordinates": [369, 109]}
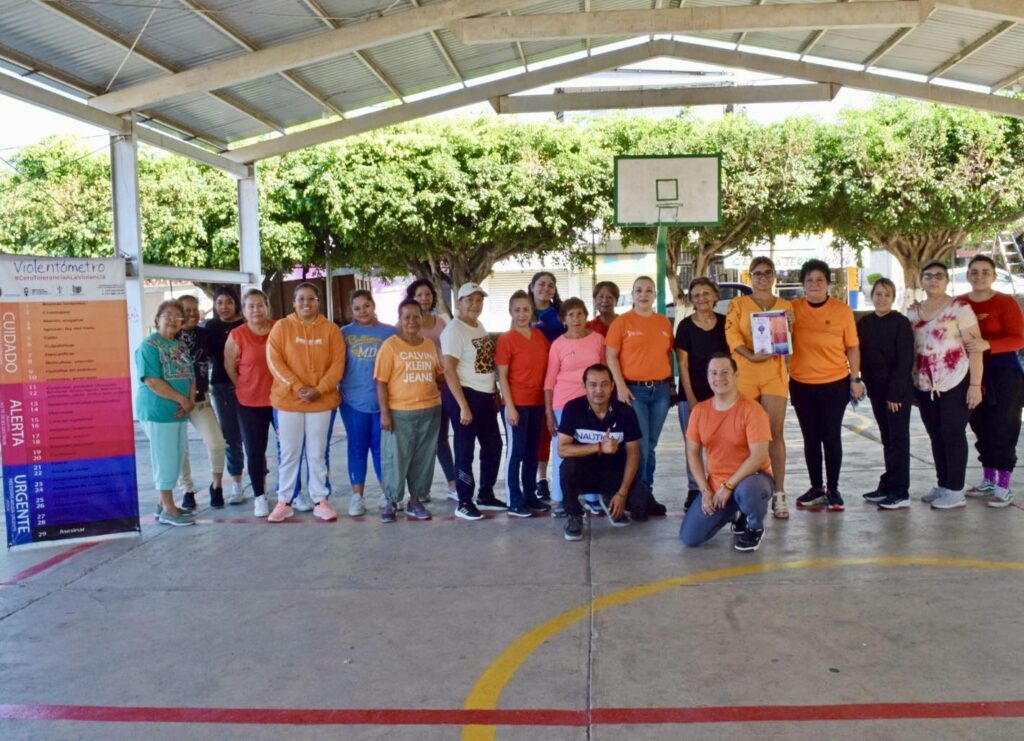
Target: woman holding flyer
{"type": "Point", "coordinates": [762, 375]}
{"type": "Point", "coordinates": [824, 376]}
{"type": "Point", "coordinates": [699, 337]}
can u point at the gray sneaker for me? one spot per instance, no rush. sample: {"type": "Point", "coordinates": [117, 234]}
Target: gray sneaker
{"type": "Point", "coordinates": [934, 494]}
{"type": "Point", "coordinates": [1000, 498]}
{"type": "Point", "coordinates": [178, 520]}
{"type": "Point", "coordinates": [981, 491]}
{"type": "Point", "coordinates": [950, 500]}
{"type": "Point", "coordinates": [356, 508]}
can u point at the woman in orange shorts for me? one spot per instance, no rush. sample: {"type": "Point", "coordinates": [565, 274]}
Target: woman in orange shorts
{"type": "Point", "coordinates": [762, 377]}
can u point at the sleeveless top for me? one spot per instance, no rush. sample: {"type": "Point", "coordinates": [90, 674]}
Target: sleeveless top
{"type": "Point", "coordinates": [254, 379]}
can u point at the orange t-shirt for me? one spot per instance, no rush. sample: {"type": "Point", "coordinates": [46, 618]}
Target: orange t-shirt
{"type": "Point", "coordinates": [644, 344]}
{"type": "Point", "coordinates": [726, 436]}
{"type": "Point", "coordinates": [411, 373]}
{"type": "Point", "coordinates": [821, 337]}
{"type": "Point", "coordinates": [527, 361]}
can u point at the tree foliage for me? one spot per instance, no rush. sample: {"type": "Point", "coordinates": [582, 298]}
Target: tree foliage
{"type": "Point", "coordinates": [919, 179]}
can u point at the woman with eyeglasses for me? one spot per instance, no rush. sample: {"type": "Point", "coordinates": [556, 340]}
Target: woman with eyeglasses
{"type": "Point", "coordinates": [163, 400]}
{"type": "Point", "coordinates": [762, 376]}
{"type": "Point", "coordinates": [423, 292]}
{"type": "Point", "coordinates": [306, 356]}
{"type": "Point", "coordinates": [639, 347]}
{"type": "Point", "coordinates": [948, 370]}
{"type": "Point", "coordinates": [996, 421]}
{"type": "Point", "coordinates": [824, 374]}
{"type": "Point", "coordinates": [699, 337]}
{"type": "Point", "coordinates": [197, 342]}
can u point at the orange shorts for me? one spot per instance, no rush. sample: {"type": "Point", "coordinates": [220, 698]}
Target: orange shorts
{"type": "Point", "coordinates": [769, 378]}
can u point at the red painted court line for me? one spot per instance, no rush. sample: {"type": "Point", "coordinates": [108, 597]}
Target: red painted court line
{"type": "Point", "coordinates": [519, 717]}
{"type": "Point", "coordinates": [47, 564]}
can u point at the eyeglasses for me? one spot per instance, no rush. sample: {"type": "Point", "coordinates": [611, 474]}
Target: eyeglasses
{"type": "Point", "coordinates": [172, 317]}
{"type": "Point", "coordinates": [932, 276]}
{"type": "Point", "coordinates": [763, 273]}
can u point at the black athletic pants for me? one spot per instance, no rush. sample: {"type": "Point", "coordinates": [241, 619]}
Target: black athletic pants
{"type": "Point", "coordinates": [819, 410]}
{"type": "Point", "coordinates": [996, 421]}
{"type": "Point", "coordinates": [894, 427]}
{"type": "Point", "coordinates": [580, 476]}
{"type": "Point", "coordinates": [256, 423]}
{"type": "Point", "coordinates": [945, 417]}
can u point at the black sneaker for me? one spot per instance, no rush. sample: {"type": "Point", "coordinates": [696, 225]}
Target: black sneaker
{"type": "Point", "coordinates": [574, 527]}
{"type": "Point", "coordinates": [691, 496]}
{"type": "Point", "coordinates": [468, 512]}
{"type": "Point", "coordinates": [811, 498]}
{"type": "Point", "coordinates": [750, 540]}
{"type": "Point", "coordinates": [559, 510]}
{"type": "Point", "coordinates": [543, 490]}
{"type": "Point", "coordinates": [216, 496]}
{"type": "Point", "coordinates": [895, 501]}
{"type": "Point", "coordinates": [739, 525]}
{"type": "Point", "coordinates": [835, 501]}
{"type": "Point", "coordinates": [624, 519]}
{"type": "Point", "coordinates": [657, 509]}
{"type": "Point", "coordinates": [875, 496]}
{"type": "Point", "coordinates": [520, 511]}
{"type": "Point", "coordinates": [592, 507]}
{"type": "Point", "coordinates": [537, 506]}
{"type": "Point", "coordinates": [490, 502]}
{"type": "Point", "coordinates": [188, 501]}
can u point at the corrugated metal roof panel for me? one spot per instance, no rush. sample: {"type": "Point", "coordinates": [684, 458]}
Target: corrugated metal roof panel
{"type": "Point", "coordinates": [538, 51]}
{"type": "Point", "coordinates": [346, 82]}
{"type": "Point", "coordinates": [204, 113]}
{"type": "Point", "coordinates": [854, 45]}
{"type": "Point", "coordinates": [933, 42]}
{"type": "Point", "coordinates": [791, 41]}
{"type": "Point", "coordinates": [994, 61]}
{"type": "Point", "coordinates": [266, 22]}
{"type": "Point", "coordinates": [279, 99]}
{"type": "Point", "coordinates": [479, 60]}
{"type": "Point", "coordinates": [413, 65]}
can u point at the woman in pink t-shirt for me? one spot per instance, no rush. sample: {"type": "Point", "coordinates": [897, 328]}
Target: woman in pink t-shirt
{"type": "Point", "coordinates": [947, 380]}
{"type": "Point", "coordinates": [570, 355]}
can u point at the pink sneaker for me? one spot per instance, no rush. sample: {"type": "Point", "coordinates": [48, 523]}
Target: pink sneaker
{"type": "Point", "coordinates": [325, 511]}
{"type": "Point", "coordinates": [282, 511]}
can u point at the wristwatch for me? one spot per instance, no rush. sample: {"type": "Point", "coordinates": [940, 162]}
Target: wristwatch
{"type": "Point", "coordinates": [856, 380]}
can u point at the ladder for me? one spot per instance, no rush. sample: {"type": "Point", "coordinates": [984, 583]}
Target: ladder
{"type": "Point", "coordinates": [1009, 250]}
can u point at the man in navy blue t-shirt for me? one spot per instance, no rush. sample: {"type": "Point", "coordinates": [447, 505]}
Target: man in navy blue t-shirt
{"type": "Point", "coordinates": [599, 443]}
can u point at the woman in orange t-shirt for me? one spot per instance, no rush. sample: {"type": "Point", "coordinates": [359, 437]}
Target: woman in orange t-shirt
{"type": "Point", "coordinates": [824, 374]}
{"type": "Point", "coordinates": [639, 347]}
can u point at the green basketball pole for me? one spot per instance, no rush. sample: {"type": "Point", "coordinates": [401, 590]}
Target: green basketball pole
{"type": "Point", "coordinates": [662, 259]}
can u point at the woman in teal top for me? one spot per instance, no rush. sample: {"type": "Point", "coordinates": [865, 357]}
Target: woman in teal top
{"type": "Point", "coordinates": [165, 396]}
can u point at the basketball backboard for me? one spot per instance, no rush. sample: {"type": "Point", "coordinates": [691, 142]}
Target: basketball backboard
{"type": "Point", "coordinates": [668, 190]}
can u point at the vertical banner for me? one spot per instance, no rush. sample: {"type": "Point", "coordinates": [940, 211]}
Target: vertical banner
{"type": "Point", "coordinates": [67, 439]}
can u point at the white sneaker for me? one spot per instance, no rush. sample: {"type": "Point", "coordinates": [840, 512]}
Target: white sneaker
{"type": "Point", "coordinates": [1000, 498]}
{"type": "Point", "coordinates": [950, 500]}
{"type": "Point", "coordinates": [260, 506]}
{"type": "Point", "coordinates": [356, 507]}
{"type": "Point", "coordinates": [302, 503]}
{"type": "Point", "coordinates": [237, 495]}
{"type": "Point", "coordinates": [935, 493]}
{"type": "Point", "coordinates": [453, 495]}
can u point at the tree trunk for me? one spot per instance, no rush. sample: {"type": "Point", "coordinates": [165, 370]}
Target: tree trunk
{"type": "Point", "coordinates": [915, 251]}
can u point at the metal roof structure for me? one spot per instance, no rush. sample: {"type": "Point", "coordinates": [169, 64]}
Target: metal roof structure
{"type": "Point", "coordinates": [231, 82]}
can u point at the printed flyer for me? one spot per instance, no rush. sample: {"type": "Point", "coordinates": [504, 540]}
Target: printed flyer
{"type": "Point", "coordinates": [68, 441]}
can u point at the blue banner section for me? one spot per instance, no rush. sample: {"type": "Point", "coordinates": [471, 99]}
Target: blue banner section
{"type": "Point", "coordinates": [70, 499]}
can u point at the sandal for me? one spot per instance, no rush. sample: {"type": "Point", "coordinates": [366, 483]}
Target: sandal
{"type": "Point", "coordinates": [779, 508]}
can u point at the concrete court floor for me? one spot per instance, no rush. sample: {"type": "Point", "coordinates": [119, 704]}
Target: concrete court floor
{"type": "Point", "coordinates": [309, 617]}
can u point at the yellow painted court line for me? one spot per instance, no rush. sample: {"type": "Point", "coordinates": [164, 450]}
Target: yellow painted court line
{"type": "Point", "coordinates": [486, 693]}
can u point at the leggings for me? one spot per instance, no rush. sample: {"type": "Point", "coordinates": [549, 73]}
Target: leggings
{"type": "Point", "coordinates": [256, 425]}
{"type": "Point", "coordinates": [444, 449]}
{"type": "Point", "coordinates": [484, 428]}
{"type": "Point", "coordinates": [819, 410]}
{"type": "Point", "coordinates": [363, 432]}
{"type": "Point", "coordinates": [945, 418]}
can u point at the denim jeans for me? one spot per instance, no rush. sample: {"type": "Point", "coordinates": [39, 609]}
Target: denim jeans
{"type": "Point", "coordinates": [650, 402]}
{"type": "Point", "coordinates": [521, 444]}
{"type": "Point", "coordinates": [225, 404]}
{"type": "Point", "coordinates": [751, 498]}
{"type": "Point", "coordinates": [683, 408]}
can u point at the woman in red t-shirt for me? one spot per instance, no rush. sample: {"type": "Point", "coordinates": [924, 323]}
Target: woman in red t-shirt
{"type": "Point", "coordinates": [245, 360]}
{"type": "Point", "coordinates": [521, 358]}
{"type": "Point", "coordinates": [996, 421]}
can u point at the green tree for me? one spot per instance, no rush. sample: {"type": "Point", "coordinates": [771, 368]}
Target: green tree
{"type": "Point", "coordinates": [919, 179]}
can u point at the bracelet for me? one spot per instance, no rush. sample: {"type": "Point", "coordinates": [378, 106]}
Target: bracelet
{"type": "Point", "coordinates": [727, 486]}
{"type": "Point", "coordinates": [975, 386]}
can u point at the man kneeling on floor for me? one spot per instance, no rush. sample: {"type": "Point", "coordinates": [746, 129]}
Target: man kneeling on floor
{"type": "Point", "coordinates": [733, 432]}
{"type": "Point", "coordinates": [599, 442]}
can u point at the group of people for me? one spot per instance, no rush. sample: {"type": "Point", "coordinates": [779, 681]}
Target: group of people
{"type": "Point", "coordinates": [582, 401]}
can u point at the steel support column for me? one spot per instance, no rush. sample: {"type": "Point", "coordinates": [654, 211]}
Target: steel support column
{"type": "Point", "coordinates": [249, 227]}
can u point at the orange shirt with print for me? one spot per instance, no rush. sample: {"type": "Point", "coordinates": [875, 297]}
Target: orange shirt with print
{"type": "Point", "coordinates": [726, 436]}
{"type": "Point", "coordinates": [411, 373]}
{"type": "Point", "coordinates": [644, 344]}
{"type": "Point", "coordinates": [821, 337]}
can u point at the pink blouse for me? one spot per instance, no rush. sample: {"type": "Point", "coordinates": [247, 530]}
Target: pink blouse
{"type": "Point", "coordinates": [567, 359]}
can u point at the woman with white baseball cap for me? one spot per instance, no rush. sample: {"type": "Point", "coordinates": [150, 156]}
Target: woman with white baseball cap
{"type": "Point", "coordinates": [471, 400]}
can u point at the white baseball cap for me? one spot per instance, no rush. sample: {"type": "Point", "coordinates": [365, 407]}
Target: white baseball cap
{"type": "Point", "coordinates": [468, 289]}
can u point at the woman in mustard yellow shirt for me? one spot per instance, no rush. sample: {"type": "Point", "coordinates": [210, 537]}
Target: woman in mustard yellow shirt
{"type": "Point", "coordinates": [762, 376]}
